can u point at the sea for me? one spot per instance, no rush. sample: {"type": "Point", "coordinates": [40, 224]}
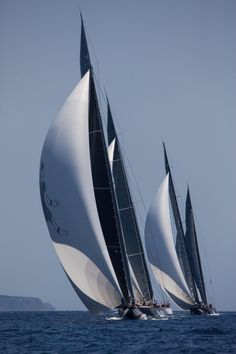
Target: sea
{"type": "Point", "coordinates": [80, 332]}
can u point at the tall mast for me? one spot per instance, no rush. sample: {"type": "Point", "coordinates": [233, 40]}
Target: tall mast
{"type": "Point", "coordinates": [181, 249]}
{"type": "Point", "coordinates": [102, 181]}
{"type": "Point", "coordinates": [132, 237]}
{"type": "Point", "coordinates": [193, 250]}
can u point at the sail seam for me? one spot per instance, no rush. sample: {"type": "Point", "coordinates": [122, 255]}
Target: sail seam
{"type": "Point", "coordinates": [95, 131]}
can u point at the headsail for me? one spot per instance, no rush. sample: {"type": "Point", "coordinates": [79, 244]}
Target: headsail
{"type": "Point", "coordinates": [192, 248]}
{"type": "Point", "coordinates": [161, 249]}
{"type": "Point", "coordinates": [132, 237]}
{"type": "Point", "coordinates": [180, 240]}
{"type": "Point", "coordinates": [70, 207]}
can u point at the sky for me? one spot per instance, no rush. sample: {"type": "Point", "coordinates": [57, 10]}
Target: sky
{"type": "Point", "coordinates": [169, 69]}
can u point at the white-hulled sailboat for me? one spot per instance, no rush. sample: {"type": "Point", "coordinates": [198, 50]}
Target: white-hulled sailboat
{"type": "Point", "coordinates": [177, 267]}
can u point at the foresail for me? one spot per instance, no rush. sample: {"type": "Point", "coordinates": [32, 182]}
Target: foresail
{"type": "Point", "coordinates": [161, 249]}
{"type": "Point", "coordinates": [69, 204]}
{"type": "Point", "coordinates": [193, 251]}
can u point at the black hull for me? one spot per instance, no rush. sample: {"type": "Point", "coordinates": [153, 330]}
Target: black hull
{"type": "Point", "coordinates": [202, 311]}
{"type": "Point", "coordinates": [138, 313]}
{"type": "Point", "coordinates": [131, 314]}
{"type": "Point", "coordinates": [149, 311]}
{"type": "Point", "coordinates": [196, 312]}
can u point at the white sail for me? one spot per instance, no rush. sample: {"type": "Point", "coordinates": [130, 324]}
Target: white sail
{"type": "Point", "coordinates": [137, 291]}
{"type": "Point", "coordinates": [161, 249]}
{"type": "Point", "coordinates": [69, 204]}
{"type": "Point", "coordinates": [110, 150]}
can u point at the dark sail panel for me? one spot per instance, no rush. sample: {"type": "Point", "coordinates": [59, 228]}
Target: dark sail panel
{"type": "Point", "coordinates": [193, 250]}
{"type": "Point", "coordinates": [129, 223]}
{"type": "Point", "coordinates": [180, 240]}
{"type": "Point", "coordinates": [85, 63]}
{"type": "Point", "coordinates": [104, 194]}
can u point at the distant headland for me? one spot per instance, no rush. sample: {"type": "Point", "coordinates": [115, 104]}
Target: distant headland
{"type": "Point", "coordinates": [23, 303]}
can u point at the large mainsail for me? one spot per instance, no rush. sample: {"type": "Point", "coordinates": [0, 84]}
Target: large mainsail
{"type": "Point", "coordinates": [70, 206]}
{"type": "Point", "coordinates": [180, 240]}
{"type": "Point", "coordinates": [193, 250]}
{"type": "Point", "coordinates": [103, 185]}
{"type": "Point", "coordinates": [132, 237]}
{"type": "Point", "coordinates": [106, 199]}
{"type": "Point", "coordinates": [161, 249]}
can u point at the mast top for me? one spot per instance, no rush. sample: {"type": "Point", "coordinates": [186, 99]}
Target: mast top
{"type": "Point", "coordinates": [85, 63]}
{"type": "Point", "coordinates": [167, 166]}
{"type": "Point", "coordinates": [188, 200]}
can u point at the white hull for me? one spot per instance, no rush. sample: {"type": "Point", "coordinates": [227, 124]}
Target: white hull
{"type": "Point", "coordinates": [167, 311]}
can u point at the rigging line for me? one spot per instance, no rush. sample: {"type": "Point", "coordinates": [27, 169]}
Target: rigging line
{"type": "Point", "coordinates": [95, 131]}
{"type": "Point", "coordinates": [127, 208]}
{"type": "Point", "coordinates": [134, 254]}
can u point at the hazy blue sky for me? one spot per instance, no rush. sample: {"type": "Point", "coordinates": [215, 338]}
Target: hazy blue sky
{"type": "Point", "coordinates": [169, 70]}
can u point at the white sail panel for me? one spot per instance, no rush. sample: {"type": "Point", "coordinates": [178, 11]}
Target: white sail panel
{"type": "Point", "coordinates": [161, 249]}
{"type": "Point", "coordinates": [172, 289]}
{"type": "Point", "coordinates": [68, 199]}
{"type": "Point", "coordinates": [110, 150]}
{"type": "Point", "coordinates": [86, 275]}
{"type": "Point", "coordinates": [137, 292]}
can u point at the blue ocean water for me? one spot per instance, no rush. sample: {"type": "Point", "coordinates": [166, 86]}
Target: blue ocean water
{"type": "Point", "coordinates": [79, 332]}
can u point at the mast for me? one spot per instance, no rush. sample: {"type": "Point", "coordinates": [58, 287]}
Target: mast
{"type": "Point", "coordinates": [181, 249]}
{"type": "Point", "coordinates": [132, 237]}
{"type": "Point", "coordinates": [102, 181]}
{"type": "Point", "coordinates": [193, 250]}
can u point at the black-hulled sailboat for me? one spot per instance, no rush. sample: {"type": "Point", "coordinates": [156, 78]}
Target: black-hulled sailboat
{"type": "Point", "coordinates": [203, 306]}
{"type": "Point", "coordinates": [82, 207]}
{"type": "Point", "coordinates": [178, 267]}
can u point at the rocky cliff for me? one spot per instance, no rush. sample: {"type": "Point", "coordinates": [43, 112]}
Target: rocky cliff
{"type": "Point", "coordinates": [19, 303]}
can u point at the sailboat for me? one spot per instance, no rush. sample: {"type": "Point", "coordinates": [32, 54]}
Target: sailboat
{"type": "Point", "coordinates": [177, 267]}
{"type": "Point", "coordinates": [203, 306]}
{"type": "Point", "coordinates": [161, 250]}
{"type": "Point", "coordinates": [82, 193]}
